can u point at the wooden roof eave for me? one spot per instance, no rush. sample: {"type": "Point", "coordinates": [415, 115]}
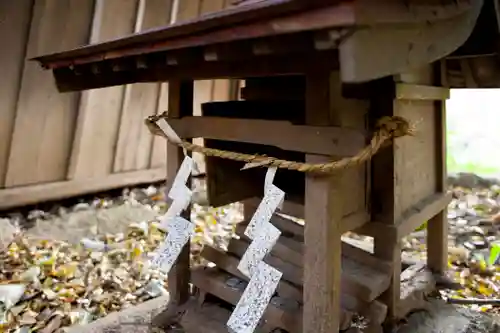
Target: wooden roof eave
{"type": "Point", "coordinates": [171, 37]}
{"type": "Point", "coordinates": [283, 44]}
{"type": "Point", "coordinates": [214, 54]}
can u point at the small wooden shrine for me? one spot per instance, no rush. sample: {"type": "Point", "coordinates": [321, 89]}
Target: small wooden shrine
{"type": "Point", "coordinates": [319, 76]}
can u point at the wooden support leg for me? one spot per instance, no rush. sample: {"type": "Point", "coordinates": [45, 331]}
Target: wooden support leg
{"type": "Point", "coordinates": [180, 103]}
{"type": "Point", "coordinates": [322, 255]}
{"type": "Point", "coordinates": [383, 202]}
{"type": "Point", "coordinates": [437, 227]}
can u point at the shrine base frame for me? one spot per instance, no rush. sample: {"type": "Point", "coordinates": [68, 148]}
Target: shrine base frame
{"type": "Point", "coordinates": [402, 187]}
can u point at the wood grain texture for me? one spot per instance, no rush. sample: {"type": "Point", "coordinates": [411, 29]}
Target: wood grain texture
{"type": "Point", "coordinates": [437, 228]}
{"type": "Point", "coordinates": [45, 118]}
{"type": "Point", "coordinates": [180, 103]}
{"type": "Point", "coordinates": [134, 144]}
{"type": "Point", "coordinates": [100, 110]}
{"type": "Point", "coordinates": [29, 195]}
{"type": "Point", "coordinates": [158, 152]}
{"type": "Point", "coordinates": [15, 19]}
{"type": "Point", "coordinates": [47, 136]}
{"type": "Point", "coordinates": [323, 213]}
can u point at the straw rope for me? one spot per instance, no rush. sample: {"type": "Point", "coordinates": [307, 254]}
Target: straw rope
{"type": "Point", "coordinates": [386, 129]}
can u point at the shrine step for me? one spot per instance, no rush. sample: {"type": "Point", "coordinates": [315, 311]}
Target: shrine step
{"type": "Point", "coordinates": [281, 313]}
{"type": "Point", "coordinates": [208, 317]}
{"type": "Point", "coordinates": [363, 275]}
{"type": "Point", "coordinates": [375, 311]}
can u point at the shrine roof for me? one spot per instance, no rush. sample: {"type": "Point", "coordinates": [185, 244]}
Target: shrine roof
{"type": "Point", "coordinates": [251, 19]}
{"type": "Point", "coordinates": [274, 37]}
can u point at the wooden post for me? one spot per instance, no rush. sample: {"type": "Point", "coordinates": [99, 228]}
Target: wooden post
{"type": "Point", "coordinates": [322, 254]}
{"type": "Point", "coordinates": [180, 103]}
{"type": "Point", "coordinates": [384, 188]}
{"type": "Point", "coordinates": [437, 227]}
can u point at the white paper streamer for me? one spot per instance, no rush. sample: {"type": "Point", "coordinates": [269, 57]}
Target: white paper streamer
{"type": "Point", "coordinates": [264, 279]}
{"type": "Point", "coordinates": [272, 198]}
{"type": "Point", "coordinates": [266, 238]}
{"type": "Point", "coordinates": [255, 299]}
{"type": "Point", "coordinates": [181, 177]}
{"type": "Point", "coordinates": [268, 181]}
{"type": "Point", "coordinates": [168, 130]}
{"type": "Point", "coordinates": [179, 192]}
{"type": "Point", "coordinates": [180, 231]}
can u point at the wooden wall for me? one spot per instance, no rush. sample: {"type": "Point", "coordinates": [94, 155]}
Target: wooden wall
{"type": "Point", "coordinates": [55, 145]}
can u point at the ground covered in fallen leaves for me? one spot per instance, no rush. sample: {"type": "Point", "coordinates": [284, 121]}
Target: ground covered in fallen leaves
{"type": "Point", "coordinates": [72, 264]}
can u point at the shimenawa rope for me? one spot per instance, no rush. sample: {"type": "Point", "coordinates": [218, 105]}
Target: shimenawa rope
{"type": "Point", "coordinates": [386, 129]}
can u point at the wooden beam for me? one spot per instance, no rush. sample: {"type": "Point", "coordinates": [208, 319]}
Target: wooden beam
{"type": "Point", "coordinates": [411, 219]}
{"type": "Point", "coordinates": [282, 134]}
{"type": "Point", "coordinates": [229, 263]}
{"type": "Point", "coordinates": [422, 212]}
{"type": "Point", "coordinates": [213, 281]}
{"type": "Point", "coordinates": [180, 103]}
{"type": "Point", "coordinates": [298, 22]}
{"type": "Point", "coordinates": [421, 92]}
{"type": "Point", "coordinates": [68, 80]}
{"type": "Point", "coordinates": [384, 205]}
{"type": "Point", "coordinates": [323, 212]}
{"type": "Point", "coordinates": [33, 194]}
{"type": "Point", "coordinates": [358, 221]}
{"type": "Point", "coordinates": [437, 227]}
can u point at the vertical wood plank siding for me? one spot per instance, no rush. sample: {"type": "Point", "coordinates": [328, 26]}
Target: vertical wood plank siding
{"type": "Point", "coordinates": [76, 143]}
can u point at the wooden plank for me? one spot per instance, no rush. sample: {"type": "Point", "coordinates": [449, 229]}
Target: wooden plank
{"type": "Point", "coordinates": [282, 134]}
{"type": "Point", "coordinates": [134, 144]}
{"type": "Point", "coordinates": [286, 248]}
{"type": "Point", "coordinates": [205, 89]}
{"type": "Point", "coordinates": [68, 80]}
{"type": "Point", "coordinates": [226, 182]}
{"type": "Point", "coordinates": [384, 200]}
{"type": "Point", "coordinates": [421, 92]}
{"type": "Point", "coordinates": [158, 152]}
{"type": "Point", "coordinates": [229, 263]}
{"type": "Point", "coordinates": [358, 221]}
{"type": "Point", "coordinates": [291, 272]}
{"type": "Point", "coordinates": [289, 208]}
{"type": "Point", "coordinates": [14, 27]}
{"type": "Point", "coordinates": [363, 275]}
{"type": "Point", "coordinates": [180, 103]}
{"type": "Point", "coordinates": [45, 118]}
{"type": "Point", "coordinates": [415, 156]}
{"type": "Point", "coordinates": [323, 208]}
{"type": "Point", "coordinates": [422, 212]}
{"type": "Point", "coordinates": [376, 311]}
{"type": "Point", "coordinates": [292, 237]}
{"type": "Point", "coordinates": [213, 281]}
{"type": "Point", "coordinates": [33, 194]}
{"type": "Point", "coordinates": [437, 228]}
{"type": "Point", "coordinates": [409, 220]}
{"type": "Point", "coordinates": [100, 110]}
{"type": "Point", "coordinates": [202, 94]}
{"type": "Point", "coordinates": [223, 90]}
{"type": "Point", "coordinates": [188, 10]}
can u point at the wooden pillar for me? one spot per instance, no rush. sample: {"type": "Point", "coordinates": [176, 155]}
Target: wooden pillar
{"type": "Point", "coordinates": [437, 227]}
{"type": "Point", "coordinates": [323, 203]}
{"type": "Point", "coordinates": [180, 103]}
{"type": "Point", "coordinates": [384, 205]}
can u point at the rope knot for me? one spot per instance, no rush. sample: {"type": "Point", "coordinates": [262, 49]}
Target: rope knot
{"type": "Point", "coordinates": [394, 126]}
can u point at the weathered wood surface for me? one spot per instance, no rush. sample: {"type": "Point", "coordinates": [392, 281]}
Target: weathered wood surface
{"type": "Point", "coordinates": [55, 145]}
{"type": "Point", "coordinates": [180, 103]}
